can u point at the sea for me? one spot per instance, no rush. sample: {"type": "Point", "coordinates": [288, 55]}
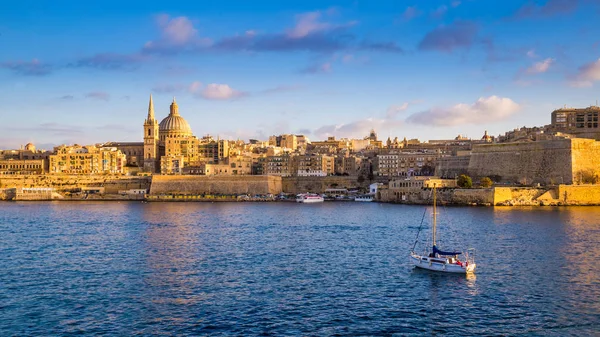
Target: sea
{"type": "Point", "coordinates": [288, 269]}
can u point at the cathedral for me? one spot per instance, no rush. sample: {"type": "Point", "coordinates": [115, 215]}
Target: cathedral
{"type": "Point", "coordinates": [168, 144]}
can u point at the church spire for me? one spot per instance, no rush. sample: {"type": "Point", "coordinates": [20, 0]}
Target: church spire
{"type": "Point", "coordinates": [150, 109]}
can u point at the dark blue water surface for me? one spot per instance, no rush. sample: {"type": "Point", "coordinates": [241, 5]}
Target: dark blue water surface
{"type": "Point", "coordinates": [292, 269]}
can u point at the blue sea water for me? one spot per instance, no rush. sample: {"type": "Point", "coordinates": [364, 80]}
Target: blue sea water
{"type": "Point", "coordinates": [277, 269]}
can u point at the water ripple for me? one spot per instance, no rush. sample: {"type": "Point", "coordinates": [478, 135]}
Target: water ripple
{"type": "Point", "coordinates": [286, 269]}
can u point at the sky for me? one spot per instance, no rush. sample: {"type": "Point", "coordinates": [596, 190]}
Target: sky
{"type": "Point", "coordinates": [82, 71]}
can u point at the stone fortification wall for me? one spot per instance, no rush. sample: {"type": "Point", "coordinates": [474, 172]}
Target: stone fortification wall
{"type": "Point", "coordinates": [111, 183]}
{"type": "Point", "coordinates": [297, 185]}
{"type": "Point", "coordinates": [586, 160]}
{"type": "Point", "coordinates": [579, 194]}
{"type": "Point", "coordinates": [451, 196]}
{"type": "Point", "coordinates": [543, 162]}
{"type": "Point", "coordinates": [194, 185]}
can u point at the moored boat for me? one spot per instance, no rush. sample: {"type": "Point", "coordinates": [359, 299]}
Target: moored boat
{"type": "Point", "coordinates": [309, 198]}
{"type": "Point", "coordinates": [364, 198]}
{"type": "Point", "coordinates": [443, 261]}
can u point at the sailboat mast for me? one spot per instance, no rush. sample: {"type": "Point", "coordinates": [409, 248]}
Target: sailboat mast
{"type": "Point", "coordinates": [434, 214]}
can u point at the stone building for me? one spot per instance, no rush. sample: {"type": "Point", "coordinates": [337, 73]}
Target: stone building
{"type": "Point", "coordinates": [282, 165]}
{"type": "Point", "coordinates": [25, 166]}
{"type": "Point", "coordinates": [133, 151]}
{"type": "Point", "coordinates": [78, 159]}
{"type": "Point", "coordinates": [581, 123]}
{"type": "Point", "coordinates": [315, 165]}
{"type": "Point", "coordinates": [396, 164]}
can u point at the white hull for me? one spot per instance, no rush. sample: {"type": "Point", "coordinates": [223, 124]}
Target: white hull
{"type": "Point", "coordinates": [364, 200]}
{"type": "Point", "coordinates": [440, 264]}
{"type": "Point", "coordinates": [310, 201]}
{"type": "Point", "coordinates": [309, 198]}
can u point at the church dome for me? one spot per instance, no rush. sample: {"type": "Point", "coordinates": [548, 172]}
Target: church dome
{"type": "Point", "coordinates": [174, 123]}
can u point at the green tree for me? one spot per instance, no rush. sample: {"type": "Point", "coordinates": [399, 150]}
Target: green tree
{"type": "Point", "coordinates": [486, 182]}
{"type": "Point", "coordinates": [464, 181]}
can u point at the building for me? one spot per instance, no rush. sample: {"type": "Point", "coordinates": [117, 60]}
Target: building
{"type": "Point", "coordinates": [25, 166]}
{"type": "Point", "coordinates": [405, 164]}
{"type": "Point", "coordinates": [282, 165]}
{"type": "Point", "coordinates": [315, 165]}
{"type": "Point", "coordinates": [172, 137]}
{"type": "Point", "coordinates": [582, 123]}
{"type": "Point", "coordinates": [212, 151]}
{"type": "Point", "coordinates": [78, 159]}
{"type": "Point", "coordinates": [172, 164]}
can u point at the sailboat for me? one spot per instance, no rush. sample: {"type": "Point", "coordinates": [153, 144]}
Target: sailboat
{"type": "Point", "coordinates": [443, 261]}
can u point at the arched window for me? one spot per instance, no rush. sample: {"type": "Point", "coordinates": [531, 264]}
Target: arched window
{"type": "Point", "coordinates": [148, 132]}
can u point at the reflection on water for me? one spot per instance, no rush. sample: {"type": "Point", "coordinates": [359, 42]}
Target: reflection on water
{"type": "Point", "coordinates": [292, 269]}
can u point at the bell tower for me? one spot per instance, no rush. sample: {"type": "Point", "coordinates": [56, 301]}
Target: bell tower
{"type": "Point", "coordinates": [151, 140]}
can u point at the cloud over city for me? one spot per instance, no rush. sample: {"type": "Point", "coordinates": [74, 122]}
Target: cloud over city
{"type": "Point", "coordinates": [484, 111]}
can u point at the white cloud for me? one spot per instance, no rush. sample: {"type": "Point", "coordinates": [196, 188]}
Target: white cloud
{"type": "Point", "coordinates": [307, 23]}
{"type": "Point", "coordinates": [540, 67]}
{"type": "Point", "coordinates": [531, 54]}
{"type": "Point", "coordinates": [586, 75]}
{"type": "Point", "coordinates": [393, 110]}
{"type": "Point", "coordinates": [178, 32]}
{"type": "Point", "coordinates": [484, 110]}
{"type": "Point", "coordinates": [356, 129]}
{"type": "Point", "coordinates": [216, 91]}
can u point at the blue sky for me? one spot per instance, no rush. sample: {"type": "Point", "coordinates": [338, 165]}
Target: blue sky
{"type": "Point", "coordinates": [81, 72]}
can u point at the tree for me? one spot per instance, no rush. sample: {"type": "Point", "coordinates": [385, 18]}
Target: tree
{"type": "Point", "coordinates": [588, 176]}
{"type": "Point", "coordinates": [361, 178]}
{"type": "Point", "coordinates": [464, 181]}
{"type": "Point", "coordinates": [486, 182]}
{"type": "Point", "coordinates": [371, 176]}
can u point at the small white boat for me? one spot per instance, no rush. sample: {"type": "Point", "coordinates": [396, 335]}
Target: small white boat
{"type": "Point", "coordinates": [442, 261]}
{"type": "Point", "coordinates": [309, 198]}
{"type": "Point", "coordinates": [364, 198]}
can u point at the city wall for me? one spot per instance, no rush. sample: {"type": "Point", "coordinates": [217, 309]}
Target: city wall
{"type": "Point", "coordinates": [194, 185]}
{"type": "Point", "coordinates": [561, 195]}
{"type": "Point", "coordinates": [585, 160]}
{"type": "Point", "coordinates": [546, 162]}
{"type": "Point", "coordinates": [579, 194]}
{"type": "Point", "coordinates": [112, 183]}
{"type": "Point", "coordinates": [296, 185]}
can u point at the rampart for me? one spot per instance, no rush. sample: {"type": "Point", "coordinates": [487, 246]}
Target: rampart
{"type": "Point", "coordinates": [297, 185]}
{"type": "Point", "coordinates": [579, 194]}
{"type": "Point", "coordinates": [561, 195]}
{"type": "Point", "coordinates": [112, 183]}
{"type": "Point", "coordinates": [194, 185]}
{"type": "Point", "coordinates": [527, 162]}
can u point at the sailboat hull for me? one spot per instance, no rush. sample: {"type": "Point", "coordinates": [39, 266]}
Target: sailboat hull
{"type": "Point", "coordinates": [440, 265]}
